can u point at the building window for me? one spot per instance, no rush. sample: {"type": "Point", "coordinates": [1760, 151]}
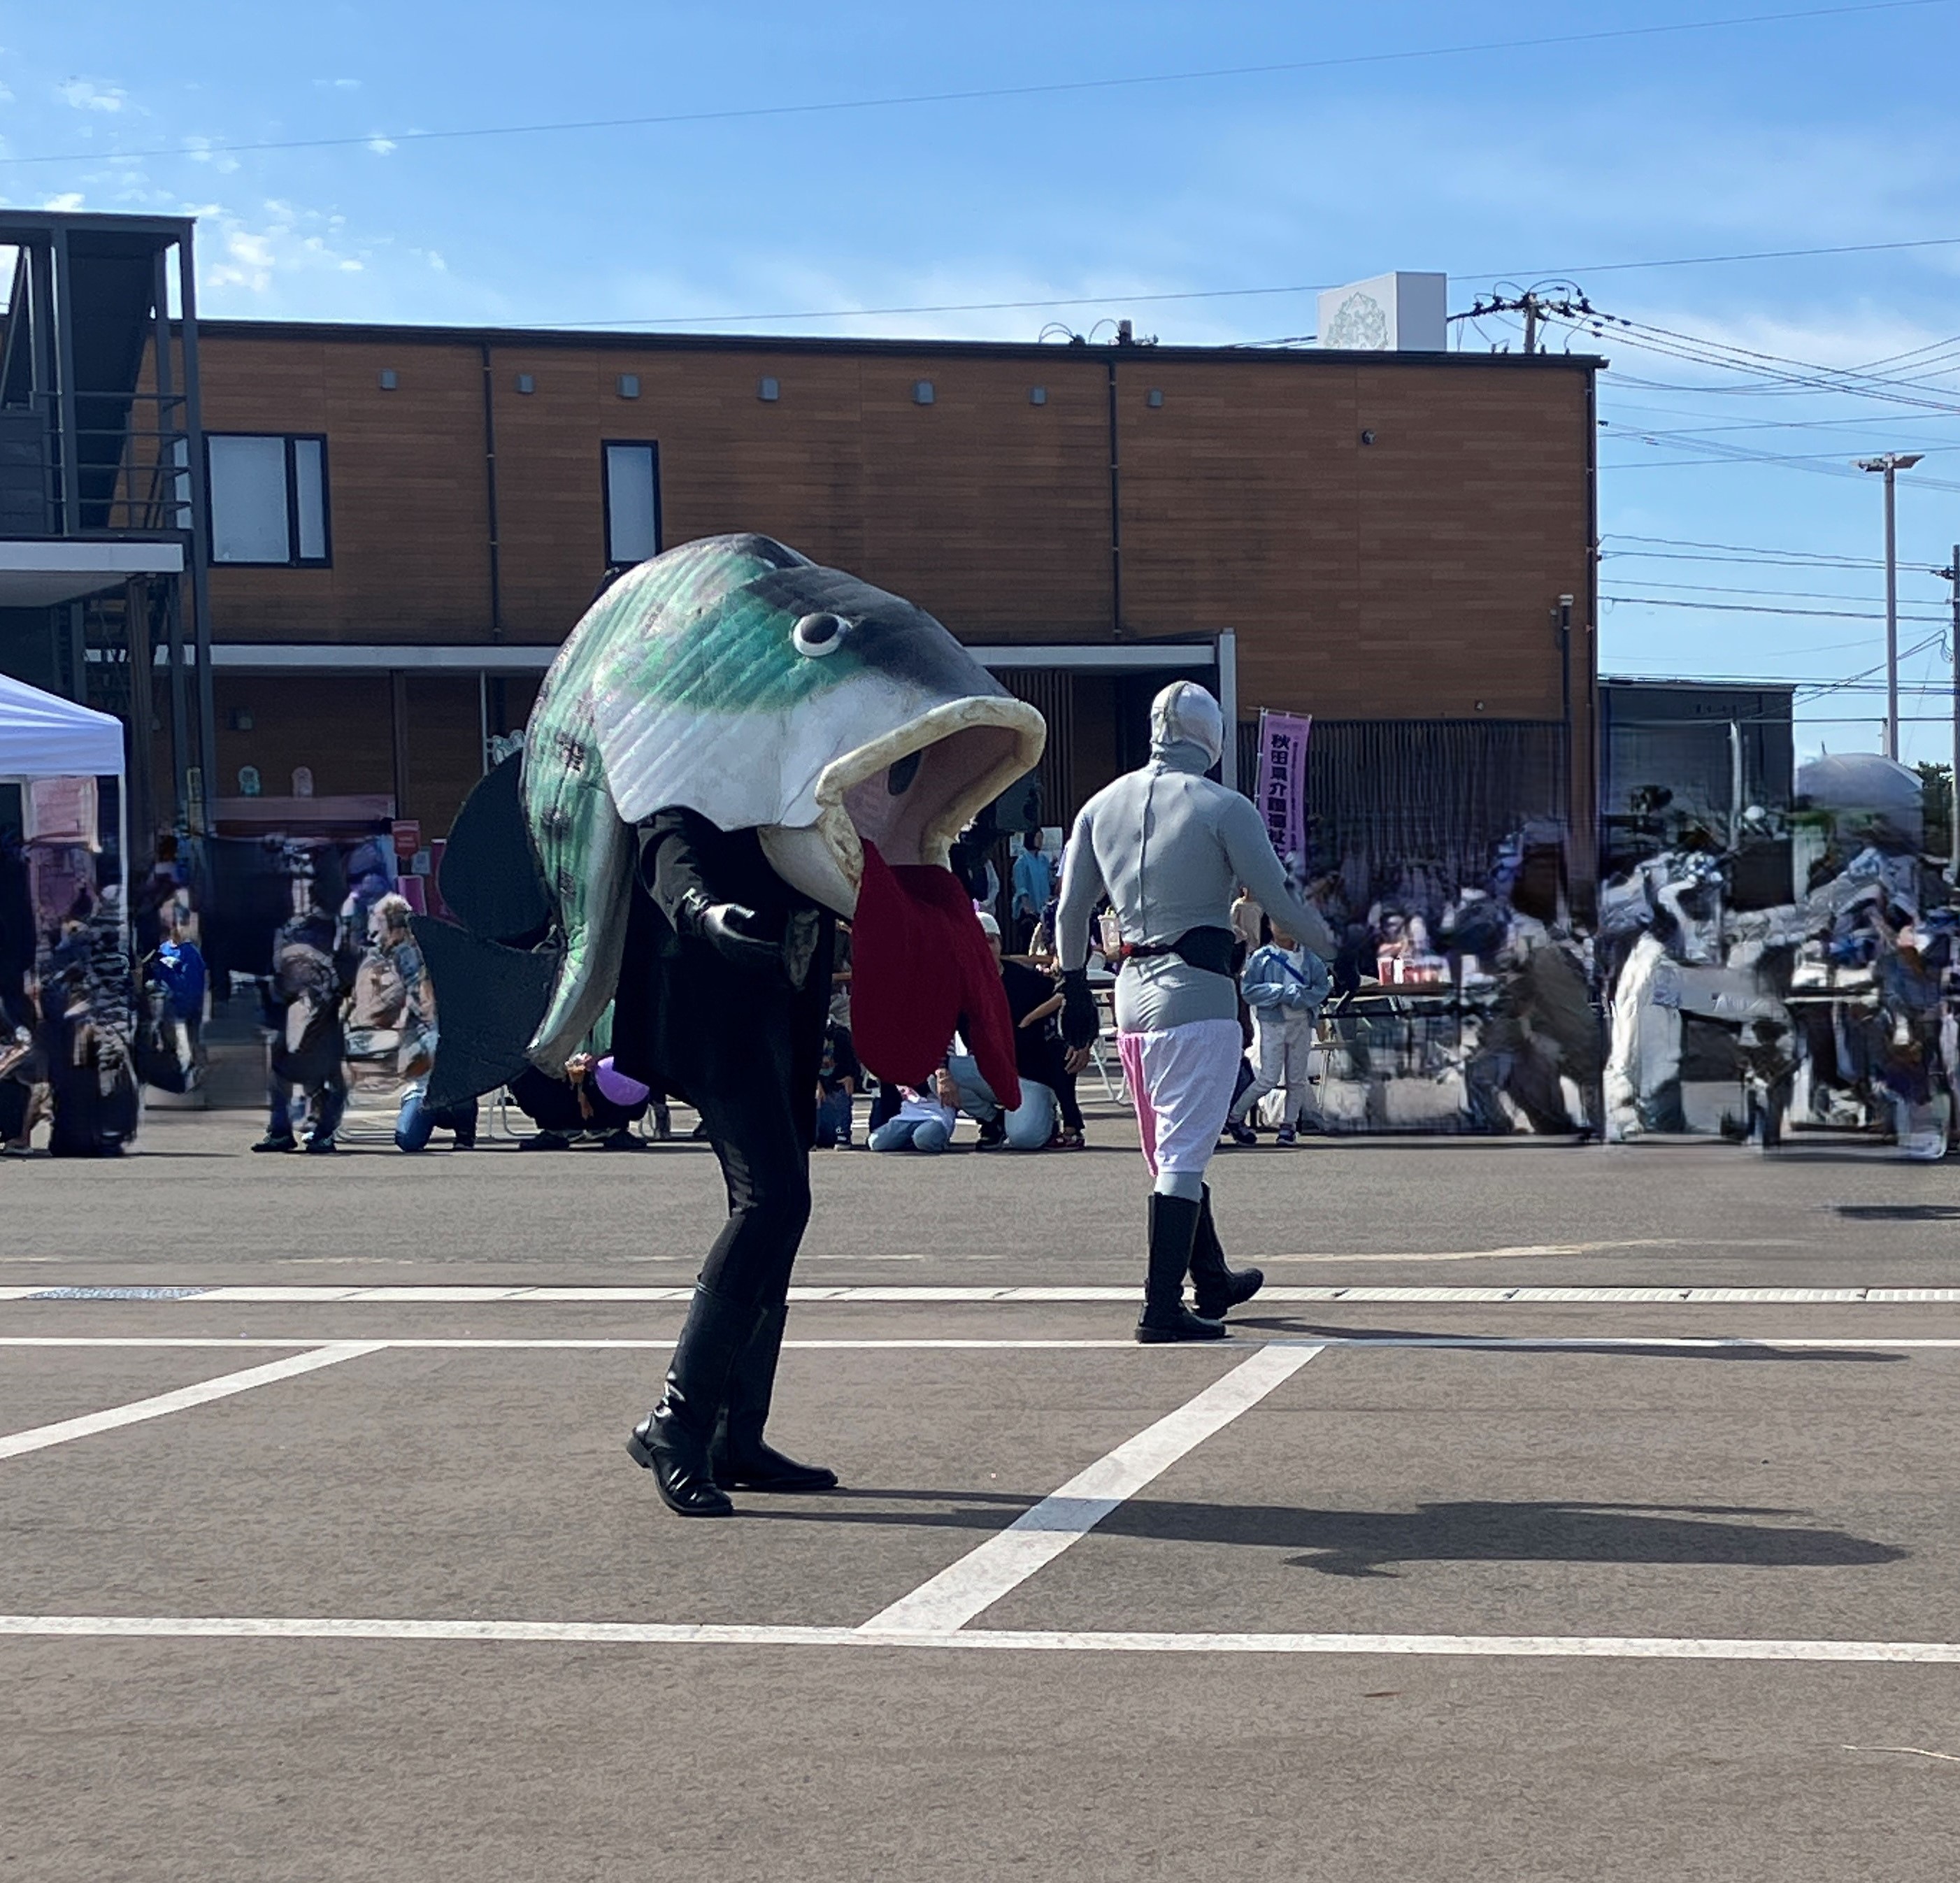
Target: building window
{"type": "Point", "coordinates": [268, 499]}
{"type": "Point", "coordinates": [632, 501]}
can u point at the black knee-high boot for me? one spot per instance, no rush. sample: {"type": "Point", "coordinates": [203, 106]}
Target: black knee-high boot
{"type": "Point", "coordinates": [1173, 1229]}
{"type": "Point", "coordinates": [674, 1440]}
{"type": "Point", "coordinates": [742, 1460]}
{"type": "Point", "coordinates": [1216, 1288]}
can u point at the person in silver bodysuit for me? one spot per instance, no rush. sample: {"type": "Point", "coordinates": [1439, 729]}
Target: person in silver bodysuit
{"type": "Point", "coordinates": [1171, 848]}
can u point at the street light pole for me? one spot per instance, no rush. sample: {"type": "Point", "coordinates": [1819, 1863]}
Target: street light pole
{"type": "Point", "coordinates": [1890, 465]}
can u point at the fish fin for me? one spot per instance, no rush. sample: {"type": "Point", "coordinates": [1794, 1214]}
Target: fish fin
{"type": "Point", "coordinates": [490, 876]}
{"type": "Point", "coordinates": [489, 1000]}
{"type": "Point", "coordinates": [593, 907]}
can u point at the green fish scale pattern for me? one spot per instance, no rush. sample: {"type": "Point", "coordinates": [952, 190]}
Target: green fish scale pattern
{"type": "Point", "coordinates": [638, 639]}
{"type": "Point", "coordinates": [638, 635]}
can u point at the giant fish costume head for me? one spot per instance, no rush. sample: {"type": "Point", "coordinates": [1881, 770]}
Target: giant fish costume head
{"type": "Point", "coordinates": [737, 679]}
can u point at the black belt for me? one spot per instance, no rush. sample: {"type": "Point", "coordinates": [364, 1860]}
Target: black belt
{"type": "Point", "coordinates": [1209, 948]}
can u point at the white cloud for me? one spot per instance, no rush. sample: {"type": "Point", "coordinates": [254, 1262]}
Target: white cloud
{"type": "Point", "coordinates": [201, 150]}
{"type": "Point", "coordinates": [67, 203]}
{"type": "Point", "coordinates": [336, 84]}
{"type": "Point", "coordinates": [259, 254]}
{"type": "Point", "coordinates": [83, 94]}
{"type": "Point", "coordinates": [380, 145]}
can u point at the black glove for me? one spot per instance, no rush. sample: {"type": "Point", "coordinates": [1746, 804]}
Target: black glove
{"type": "Point", "coordinates": [1080, 1020]}
{"type": "Point", "coordinates": [724, 926]}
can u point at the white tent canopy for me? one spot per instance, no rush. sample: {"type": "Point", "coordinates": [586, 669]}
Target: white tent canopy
{"type": "Point", "coordinates": [42, 737]}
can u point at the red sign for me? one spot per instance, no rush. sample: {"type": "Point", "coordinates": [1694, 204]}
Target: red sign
{"type": "Point", "coordinates": [408, 837]}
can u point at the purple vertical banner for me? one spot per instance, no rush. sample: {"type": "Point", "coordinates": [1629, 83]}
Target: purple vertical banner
{"type": "Point", "coordinates": [1282, 784]}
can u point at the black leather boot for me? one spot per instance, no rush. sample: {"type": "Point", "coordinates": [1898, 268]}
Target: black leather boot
{"type": "Point", "coordinates": [742, 1461]}
{"type": "Point", "coordinates": [674, 1441]}
{"type": "Point", "coordinates": [1216, 1289]}
{"type": "Point", "coordinates": [1173, 1228]}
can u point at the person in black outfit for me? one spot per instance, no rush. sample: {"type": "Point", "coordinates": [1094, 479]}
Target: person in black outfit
{"type": "Point", "coordinates": [722, 1000]}
{"type": "Point", "coordinates": [838, 1076]}
{"type": "Point", "coordinates": [1033, 1000]}
{"type": "Point", "coordinates": [574, 1107]}
{"type": "Point", "coordinates": [312, 1055]}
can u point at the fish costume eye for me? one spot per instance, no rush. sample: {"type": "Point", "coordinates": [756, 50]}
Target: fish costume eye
{"type": "Point", "coordinates": [819, 635]}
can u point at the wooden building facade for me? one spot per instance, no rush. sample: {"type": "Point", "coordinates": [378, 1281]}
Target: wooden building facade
{"type": "Point", "coordinates": [1362, 536]}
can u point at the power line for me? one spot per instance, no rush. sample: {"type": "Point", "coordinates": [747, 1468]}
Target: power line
{"type": "Point", "coordinates": [1749, 254]}
{"type": "Point", "coordinates": [1683, 550]}
{"type": "Point", "coordinates": [1797, 374]}
{"type": "Point", "coordinates": [1616, 429]}
{"type": "Point", "coordinates": [1773, 365]}
{"type": "Point", "coordinates": [1120, 297]}
{"type": "Point", "coordinates": [1745, 549]}
{"type": "Point", "coordinates": [1866, 567]}
{"type": "Point", "coordinates": [979, 94]}
{"type": "Point", "coordinates": [1746, 608]}
{"type": "Point", "coordinates": [1777, 594]}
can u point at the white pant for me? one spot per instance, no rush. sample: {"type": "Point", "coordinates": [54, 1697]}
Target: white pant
{"type": "Point", "coordinates": [1180, 1079]}
{"type": "Point", "coordinates": [1645, 1053]}
{"type": "Point", "coordinates": [1280, 1042]}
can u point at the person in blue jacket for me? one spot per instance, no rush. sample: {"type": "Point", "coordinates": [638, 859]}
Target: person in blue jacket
{"type": "Point", "coordinates": [1285, 986]}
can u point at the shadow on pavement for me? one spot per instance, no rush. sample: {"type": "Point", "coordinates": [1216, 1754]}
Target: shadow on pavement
{"type": "Point", "coordinates": [1900, 1212]}
{"type": "Point", "coordinates": [1371, 1543]}
{"type": "Point", "coordinates": [1553, 1343]}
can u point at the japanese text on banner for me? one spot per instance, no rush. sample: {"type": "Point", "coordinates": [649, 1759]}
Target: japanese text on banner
{"type": "Point", "coordinates": [1282, 784]}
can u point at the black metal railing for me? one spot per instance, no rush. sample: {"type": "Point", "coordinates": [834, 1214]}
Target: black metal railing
{"type": "Point", "coordinates": [126, 472]}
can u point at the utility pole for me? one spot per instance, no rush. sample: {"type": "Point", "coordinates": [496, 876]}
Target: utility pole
{"type": "Point", "coordinates": [1537, 310]}
{"type": "Point", "coordinates": [1889, 465]}
{"type": "Point", "coordinates": [1951, 574]}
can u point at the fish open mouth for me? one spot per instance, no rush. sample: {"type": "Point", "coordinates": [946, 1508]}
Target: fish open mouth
{"type": "Point", "coordinates": [907, 793]}
{"type": "Point", "coordinates": [921, 967]}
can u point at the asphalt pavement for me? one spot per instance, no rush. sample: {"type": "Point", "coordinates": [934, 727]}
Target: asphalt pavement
{"type": "Point", "coordinates": [1558, 1512]}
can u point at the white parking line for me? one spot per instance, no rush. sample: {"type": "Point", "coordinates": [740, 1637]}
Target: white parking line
{"type": "Point", "coordinates": [966, 1589]}
{"type": "Point", "coordinates": [40, 1437]}
{"type": "Point", "coordinates": [1685, 1343]}
{"type": "Point", "coordinates": [1520, 1296]}
{"type": "Point", "coordinates": [1602, 1647]}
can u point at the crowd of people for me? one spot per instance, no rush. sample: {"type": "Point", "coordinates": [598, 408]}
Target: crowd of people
{"type": "Point", "coordinates": [1829, 1009]}
{"type": "Point", "coordinates": [70, 1038]}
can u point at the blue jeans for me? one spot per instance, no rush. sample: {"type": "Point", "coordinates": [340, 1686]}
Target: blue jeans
{"type": "Point", "coordinates": [333, 1105]}
{"type": "Point", "coordinates": [415, 1121]}
{"type": "Point", "coordinates": [1030, 1124]}
{"type": "Point", "coordinates": [919, 1134]}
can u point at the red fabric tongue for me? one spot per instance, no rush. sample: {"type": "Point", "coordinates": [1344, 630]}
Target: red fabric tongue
{"type": "Point", "coordinates": [920, 968]}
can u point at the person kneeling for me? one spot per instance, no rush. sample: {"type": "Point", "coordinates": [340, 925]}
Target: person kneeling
{"type": "Point", "coordinates": [924, 1121]}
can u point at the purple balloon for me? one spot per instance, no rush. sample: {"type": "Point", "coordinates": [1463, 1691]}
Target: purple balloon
{"type": "Point", "coordinates": [615, 1086]}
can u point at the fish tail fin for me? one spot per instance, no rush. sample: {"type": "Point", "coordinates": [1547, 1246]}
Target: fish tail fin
{"type": "Point", "coordinates": [489, 1002]}
{"type": "Point", "coordinates": [490, 877]}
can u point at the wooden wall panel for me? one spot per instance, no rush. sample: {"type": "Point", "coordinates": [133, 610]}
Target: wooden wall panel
{"type": "Point", "coordinates": [1409, 578]}
{"type": "Point", "coordinates": [406, 489]}
{"type": "Point", "coordinates": [1412, 577]}
{"type": "Point", "coordinates": [1240, 510]}
{"type": "Point", "coordinates": [339, 726]}
{"type": "Point", "coordinates": [444, 748]}
{"type": "Point", "coordinates": [989, 511]}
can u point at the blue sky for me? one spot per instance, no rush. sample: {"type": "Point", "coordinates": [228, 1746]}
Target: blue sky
{"type": "Point", "coordinates": [1510, 162]}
